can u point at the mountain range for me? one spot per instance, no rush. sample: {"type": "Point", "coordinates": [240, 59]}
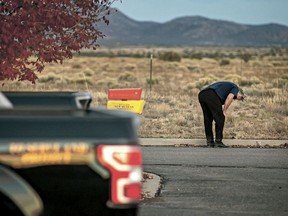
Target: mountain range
{"type": "Point", "coordinates": [191, 31]}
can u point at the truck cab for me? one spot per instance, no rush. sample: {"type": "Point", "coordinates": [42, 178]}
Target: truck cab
{"type": "Point", "coordinates": [69, 161]}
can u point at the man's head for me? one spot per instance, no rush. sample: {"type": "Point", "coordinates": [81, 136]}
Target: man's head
{"type": "Point", "coordinates": [240, 94]}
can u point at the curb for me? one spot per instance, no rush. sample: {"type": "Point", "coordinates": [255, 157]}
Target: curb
{"type": "Point", "coordinates": [151, 185]}
{"type": "Point", "coordinates": [202, 142]}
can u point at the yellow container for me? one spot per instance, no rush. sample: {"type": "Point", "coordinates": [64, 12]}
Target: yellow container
{"type": "Point", "coordinates": [135, 106]}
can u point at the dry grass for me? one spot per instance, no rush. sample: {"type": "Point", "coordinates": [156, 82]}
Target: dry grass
{"type": "Point", "coordinates": [172, 109]}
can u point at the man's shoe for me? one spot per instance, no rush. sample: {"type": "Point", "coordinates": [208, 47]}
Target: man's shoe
{"type": "Point", "coordinates": [220, 145]}
{"type": "Point", "coordinates": [210, 144]}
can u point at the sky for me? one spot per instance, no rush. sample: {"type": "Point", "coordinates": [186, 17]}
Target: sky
{"type": "Point", "coordinates": [252, 12]}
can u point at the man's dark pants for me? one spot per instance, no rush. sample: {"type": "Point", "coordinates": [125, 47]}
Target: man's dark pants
{"type": "Point", "coordinates": [212, 110]}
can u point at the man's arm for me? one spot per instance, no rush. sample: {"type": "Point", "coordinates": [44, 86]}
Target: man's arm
{"type": "Point", "coordinates": [227, 103]}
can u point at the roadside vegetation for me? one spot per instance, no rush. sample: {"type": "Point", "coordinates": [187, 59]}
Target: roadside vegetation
{"type": "Point", "coordinates": [172, 109]}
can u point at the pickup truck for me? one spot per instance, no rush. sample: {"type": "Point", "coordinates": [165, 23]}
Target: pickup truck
{"type": "Point", "coordinates": [49, 99]}
{"type": "Point", "coordinates": [69, 162]}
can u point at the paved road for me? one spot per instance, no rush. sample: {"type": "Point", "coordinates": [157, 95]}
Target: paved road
{"type": "Point", "coordinates": [206, 181]}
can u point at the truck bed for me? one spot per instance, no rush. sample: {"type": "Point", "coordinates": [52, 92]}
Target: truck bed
{"type": "Point", "coordinates": [99, 125]}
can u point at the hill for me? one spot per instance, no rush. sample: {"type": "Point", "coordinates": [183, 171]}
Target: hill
{"type": "Point", "coordinates": [191, 31]}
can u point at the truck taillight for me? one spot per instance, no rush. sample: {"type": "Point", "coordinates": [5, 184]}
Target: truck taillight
{"type": "Point", "coordinates": [125, 164]}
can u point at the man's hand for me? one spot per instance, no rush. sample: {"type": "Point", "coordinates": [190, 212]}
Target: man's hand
{"type": "Point", "coordinates": [227, 103]}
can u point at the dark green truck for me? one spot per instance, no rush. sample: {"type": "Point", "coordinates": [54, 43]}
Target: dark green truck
{"type": "Point", "coordinates": [50, 99]}
{"type": "Point", "coordinates": [69, 161]}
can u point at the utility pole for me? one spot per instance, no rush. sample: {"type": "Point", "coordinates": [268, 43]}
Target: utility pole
{"type": "Point", "coordinates": [151, 64]}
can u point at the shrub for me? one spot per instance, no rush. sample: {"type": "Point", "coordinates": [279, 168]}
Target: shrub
{"type": "Point", "coordinates": [88, 72]}
{"type": "Point", "coordinates": [198, 56]}
{"type": "Point", "coordinates": [195, 69]}
{"type": "Point", "coordinates": [246, 57]}
{"type": "Point", "coordinates": [233, 78]}
{"type": "Point", "coordinates": [82, 81]}
{"type": "Point", "coordinates": [129, 77]}
{"type": "Point", "coordinates": [250, 81]}
{"type": "Point", "coordinates": [205, 81]}
{"type": "Point", "coordinates": [224, 62]}
{"type": "Point", "coordinates": [152, 82]}
{"type": "Point", "coordinates": [130, 67]}
{"type": "Point", "coordinates": [50, 77]}
{"type": "Point", "coordinates": [280, 83]}
{"type": "Point", "coordinates": [76, 66]}
{"type": "Point", "coordinates": [170, 56]}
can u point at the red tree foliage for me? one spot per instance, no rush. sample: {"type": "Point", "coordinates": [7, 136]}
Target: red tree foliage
{"type": "Point", "coordinates": [34, 32]}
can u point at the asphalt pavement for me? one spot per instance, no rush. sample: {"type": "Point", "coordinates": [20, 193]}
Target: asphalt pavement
{"type": "Point", "coordinates": [239, 167]}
